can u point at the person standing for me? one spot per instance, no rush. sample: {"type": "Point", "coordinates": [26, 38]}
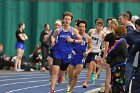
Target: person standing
{"type": "Point", "coordinates": [124, 19]}
{"type": "Point", "coordinates": [20, 46]}
{"type": "Point", "coordinates": [136, 55]}
{"type": "Point", "coordinates": [116, 58]}
{"type": "Point", "coordinates": [4, 60]}
{"type": "Point", "coordinates": [45, 44]}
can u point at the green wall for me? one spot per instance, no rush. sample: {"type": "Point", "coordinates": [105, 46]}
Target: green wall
{"type": "Point", "coordinates": [35, 14]}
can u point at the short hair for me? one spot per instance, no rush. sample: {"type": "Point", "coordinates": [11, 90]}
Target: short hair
{"type": "Point", "coordinates": [82, 21]}
{"type": "Point", "coordinates": [114, 23]}
{"type": "Point", "coordinates": [20, 24]}
{"type": "Point", "coordinates": [120, 30]}
{"type": "Point", "coordinates": [99, 21]}
{"type": "Point", "coordinates": [108, 19]}
{"type": "Point", "coordinates": [58, 21]}
{"type": "Point", "coordinates": [46, 25]}
{"type": "Point", "coordinates": [67, 13]}
{"type": "Point", "coordinates": [130, 15]}
{"type": "Point", "coordinates": [134, 18]}
{"type": "Point", "coordinates": [137, 22]}
{"type": "Point", "coordinates": [125, 15]}
{"type": "Point", "coordinates": [77, 20]}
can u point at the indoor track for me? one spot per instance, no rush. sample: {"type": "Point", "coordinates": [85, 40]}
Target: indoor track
{"type": "Point", "coordinates": [39, 82]}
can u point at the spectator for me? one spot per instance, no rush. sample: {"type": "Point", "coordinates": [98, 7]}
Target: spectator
{"type": "Point", "coordinates": [4, 60]}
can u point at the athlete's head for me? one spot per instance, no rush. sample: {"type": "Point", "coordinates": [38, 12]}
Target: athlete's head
{"type": "Point", "coordinates": [99, 24]}
{"type": "Point", "coordinates": [58, 23]}
{"type": "Point", "coordinates": [82, 25]}
{"type": "Point", "coordinates": [47, 27]}
{"type": "Point", "coordinates": [75, 23]}
{"type": "Point", "coordinates": [67, 18]}
{"type": "Point", "coordinates": [21, 25]}
{"type": "Point", "coordinates": [1, 48]}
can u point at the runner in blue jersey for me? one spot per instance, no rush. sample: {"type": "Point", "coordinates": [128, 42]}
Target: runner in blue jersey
{"type": "Point", "coordinates": [57, 24]}
{"type": "Point", "coordinates": [80, 53]}
{"type": "Point", "coordinates": [63, 49]}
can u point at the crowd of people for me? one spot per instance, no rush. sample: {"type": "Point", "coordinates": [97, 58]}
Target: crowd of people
{"type": "Point", "coordinates": [66, 49]}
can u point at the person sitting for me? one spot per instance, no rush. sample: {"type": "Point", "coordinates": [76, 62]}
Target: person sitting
{"type": "Point", "coordinates": [4, 60]}
{"type": "Point", "coordinates": [35, 56]}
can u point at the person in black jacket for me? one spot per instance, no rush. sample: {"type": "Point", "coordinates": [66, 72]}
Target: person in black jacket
{"type": "Point", "coordinates": [116, 58]}
{"type": "Point", "coordinates": [135, 83]}
{"type": "Point", "coordinates": [45, 44]}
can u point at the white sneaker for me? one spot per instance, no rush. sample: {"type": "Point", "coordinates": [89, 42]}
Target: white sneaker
{"type": "Point", "coordinates": [18, 70]}
{"type": "Point", "coordinates": [32, 70]}
{"type": "Point", "coordinates": [21, 69]}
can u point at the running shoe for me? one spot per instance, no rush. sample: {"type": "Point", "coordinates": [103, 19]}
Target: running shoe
{"type": "Point", "coordinates": [92, 78]}
{"type": "Point", "coordinates": [68, 87]}
{"type": "Point", "coordinates": [43, 69]}
{"type": "Point", "coordinates": [84, 85]}
{"type": "Point", "coordinates": [60, 79]}
{"type": "Point", "coordinates": [63, 80]}
{"type": "Point", "coordinates": [19, 70]}
{"type": "Point", "coordinates": [66, 79]}
{"type": "Point", "coordinates": [69, 92]}
{"type": "Point", "coordinates": [52, 91]}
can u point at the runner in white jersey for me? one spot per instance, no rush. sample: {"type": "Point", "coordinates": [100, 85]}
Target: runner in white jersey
{"type": "Point", "coordinates": [97, 36]}
{"type": "Point", "coordinates": [96, 40]}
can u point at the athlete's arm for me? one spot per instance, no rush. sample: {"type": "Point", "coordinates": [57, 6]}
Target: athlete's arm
{"type": "Point", "coordinates": [79, 38]}
{"type": "Point", "coordinates": [56, 32]}
{"type": "Point", "coordinates": [21, 37]}
{"type": "Point", "coordinates": [106, 45]}
{"type": "Point", "coordinates": [103, 36]}
{"type": "Point", "coordinates": [89, 45]}
{"type": "Point", "coordinates": [25, 36]}
{"type": "Point", "coordinates": [89, 32]}
{"type": "Point", "coordinates": [89, 40]}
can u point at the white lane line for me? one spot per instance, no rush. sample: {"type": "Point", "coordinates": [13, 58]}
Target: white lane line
{"type": "Point", "coordinates": [74, 87]}
{"type": "Point", "coordinates": [25, 75]}
{"type": "Point", "coordinates": [81, 85]}
{"type": "Point", "coordinates": [19, 73]}
{"type": "Point", "coordinates": [96, 90]}
{"type": "Point", "coordinates": [26, 88]}
{"type": "Point", "coordinates": [23, 78]}
{"type": "Point", "coordinates": [34, 87]}
{"type": "Point", "coordinates": [22, 82]}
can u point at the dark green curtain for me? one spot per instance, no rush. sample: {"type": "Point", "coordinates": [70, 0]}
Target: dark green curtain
{"type": "Point", "coordinates": [35, 13]}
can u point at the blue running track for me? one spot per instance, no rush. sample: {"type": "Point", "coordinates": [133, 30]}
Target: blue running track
{"type": "Point", "coordinates": [39, 82]}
